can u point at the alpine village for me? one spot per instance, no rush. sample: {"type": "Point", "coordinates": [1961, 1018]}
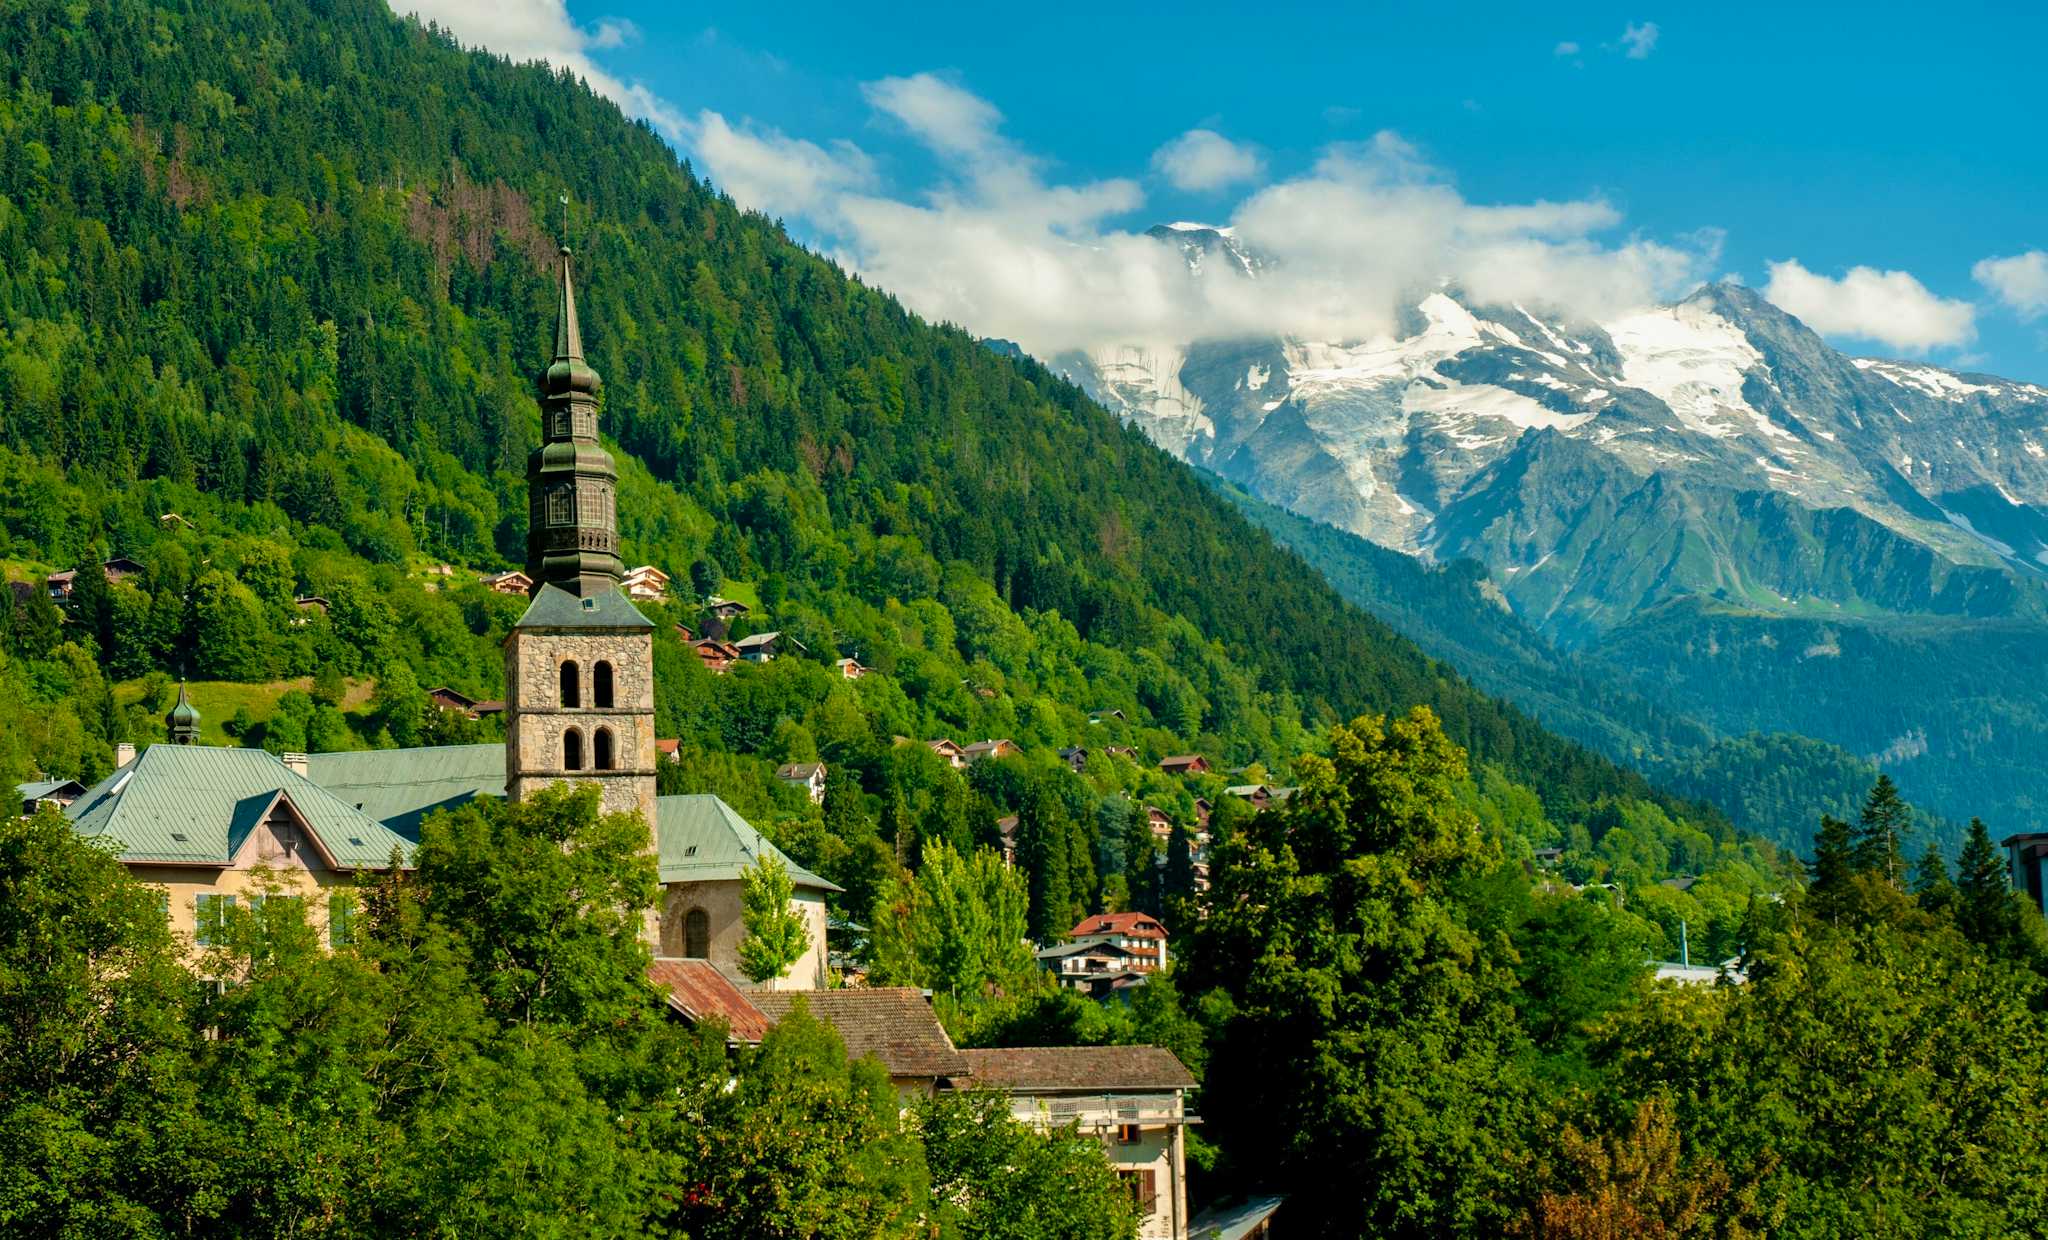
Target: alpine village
{"type": "Point", "coordinates": [851, 784]}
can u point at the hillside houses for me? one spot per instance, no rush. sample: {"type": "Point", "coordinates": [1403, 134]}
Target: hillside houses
{"type": "Point", "coordinates": [767, 647]}
{"type": "Point", "coordinates": [118, 570]}
{"type": "Point", "coordinates": [1185, 764]}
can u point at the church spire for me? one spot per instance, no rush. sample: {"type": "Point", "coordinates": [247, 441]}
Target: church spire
{"type": "Point", "coordinates": [572, 533]}
{"type": "Point", "coordinates": [183, 721]}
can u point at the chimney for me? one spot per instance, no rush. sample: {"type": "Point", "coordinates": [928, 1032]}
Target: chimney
{"type": "Point", "coordinates": [124, 753]}
{"type": "Point", "coordinates": [297, 762]}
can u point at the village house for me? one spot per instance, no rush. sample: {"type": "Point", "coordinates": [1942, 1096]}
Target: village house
{"type": "Point", "coordinates": [1261, 796]}
{"type": "Point", "coordinates": [1131, 1098]}
{"type": "Point", "coordinates": [851, 669]}
{"type": "Point", "coordinates": [715, 655]}
{"type": "Point", "coordinates": [1158, 823]}
{"type": "Point", "coordinates": [118, 570]}
{"type": "Point", "coordinates": [463, 704]}
{"type": "Point", "coordinates": [1104, 716]}
{"type": "Point", "coordinates": [1185, 764]}
{"type": "Point", "coordinates": [645, 584]}
{"type": "Point", "coordinates": [1006, 835]}
{"type": "Point", "coordinates": [725, 609]}
{"type": "Point", "coordinates": [669, 750]}
{"type": "Point", "coordinates": [955, 756]}
{"type": "Point", "coordinates": [308, 606]}
{"type": "Point", "coordinates": [766, 647]}
{"type": "Point", "coordinates": [1076, 759]}
{"type": "Point", "coordinates": [511, 582]}
{"type": "Point", "coordinates": [974, 753]}
{"type": "Point", "coordinates": [1139, 932]}
{"type": "Point", "coordinates": [1095, 965]}
{"type": "Point", "coordinates": [810, 776]}
{"type": "Point", "coordinates": [1128, 753]}
{"type": "Point", "coordinates": [56, 793]}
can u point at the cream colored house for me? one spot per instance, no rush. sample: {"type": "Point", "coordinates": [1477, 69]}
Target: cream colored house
{"type": "Point", "coordinates": [1132, 1098]}
{"type": "Point", "coordinates": [220, 828]}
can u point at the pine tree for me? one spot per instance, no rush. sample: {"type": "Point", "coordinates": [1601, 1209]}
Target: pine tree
{"type": "Point", "coordinates": [1042, 837]}
{"type": "Point", "coordinates": [1881, 831]}
{"type": "Point", "coordinates": [1988, 911]}
{"type": "Point", "coordinates": [1833, 867]}
{"type": "Point", "coordinates": [1931, 883]}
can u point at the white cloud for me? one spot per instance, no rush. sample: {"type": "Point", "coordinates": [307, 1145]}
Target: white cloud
{"type": "Point", "coordinates": [1566, 48]}
{"type": "Point", "coordinates": [2020, 281]}
{"type": "Point", "coordinates": [950, 120]}
{"type": "Point", "coordinates": [1890, 307]}
{"type": "Point", "coordinates": [1639, 41]}
{"type": "Point", "coordinates": [526, 30]}
{"type": "Point", "coordinates": [997, 246]}
{"type": "Point", "coordinates": [615, 32]}
{"type": "Point", "coordinates": [770, 172]}
{"type": "Point", "coordinates": [1202, 159]}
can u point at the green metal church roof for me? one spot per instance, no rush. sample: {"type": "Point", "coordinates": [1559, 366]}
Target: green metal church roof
{"type": "Point", "coordinates": [399, 787]}
{"type": "Point", "coordinates": [555, 608]}
{"type": "Point", "coordinates": [196, 804]}
{"type": "Point", "coordinates": [704, 840]}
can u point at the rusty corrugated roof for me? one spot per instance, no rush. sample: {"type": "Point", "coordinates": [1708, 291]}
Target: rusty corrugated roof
{"type": "Point", "coordinates": [698, 991]}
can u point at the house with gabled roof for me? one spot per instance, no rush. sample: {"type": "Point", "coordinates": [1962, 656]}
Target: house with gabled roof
{"type": "Point", "coordinates": [1185, 764]}
{"type": "Point", "coordinates": [40, 792]}
{"type": "Point", "coordinates": [950, 750]}
{"type": "Point", "coordinates": [1142, 933]}
{"type": "Point", "coordinates": [810, 776]}
{"type": "Point", "coordinates": [767, 647]}
{"type": "Point", "coordinates": [971, 754]}
{"type": "Point", "coordinates": [201, 822]}
{"type": "Point", "coordinates": [1133, 1099]}
{"type": "Point", "coordinates": [510, 582]}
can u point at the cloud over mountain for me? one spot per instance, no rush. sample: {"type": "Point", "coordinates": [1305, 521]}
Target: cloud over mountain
{"type": "Point", "coordinates": [1889, 307]}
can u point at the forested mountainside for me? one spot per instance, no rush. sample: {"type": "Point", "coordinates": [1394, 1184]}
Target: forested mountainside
{"type": "Point", "coordinates": [1777, 784]}
{"type": "Point", "coordinates": [279, 270]}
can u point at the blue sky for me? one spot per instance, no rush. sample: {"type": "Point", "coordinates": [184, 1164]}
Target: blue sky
{"type": "Point", "coordinates": [1882, 173]}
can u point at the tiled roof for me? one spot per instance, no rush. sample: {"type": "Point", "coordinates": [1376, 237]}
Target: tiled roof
{"type": "Point", "coordinates": [698, 991]}
{"type": "Point", "coordinates": [1139, 924]}
{"type": "Point", "coordinates": [555, 608]}
{"type": "Point", "coordinates": [703, 839]}
{"type": "Point", "coordinates": [893, 1024]}
{"type": "Point", "coordinates": [195, 804]}
{"type": "Point", "coordinates": [1080, 1069]}
{"type": "Point", "coordinates": [399, 787]}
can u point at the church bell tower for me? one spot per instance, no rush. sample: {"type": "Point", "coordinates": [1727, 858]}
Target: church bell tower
{"type": "Point", "coordinates": [579, 665]}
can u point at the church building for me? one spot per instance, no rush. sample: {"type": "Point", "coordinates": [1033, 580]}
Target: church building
{"type": "Point", "coordinates": [203, 822]}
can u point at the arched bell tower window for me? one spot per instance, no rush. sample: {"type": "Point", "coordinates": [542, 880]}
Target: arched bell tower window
{"type": "Point", "coordinates": [572, 750]}
{"type": "Point", "coordinates": [697, 934]}
{"type": "Point", "coordinates": [572, 684]}
{"type": "Point", "coordinates": [602, 747]}
{"type": "Point", "coordinates": [601, 684]}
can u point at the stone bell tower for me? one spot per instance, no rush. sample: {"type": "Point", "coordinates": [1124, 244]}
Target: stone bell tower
{"type": "Point", "coordinates": [579, 665]}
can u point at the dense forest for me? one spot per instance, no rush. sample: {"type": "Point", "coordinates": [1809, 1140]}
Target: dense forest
{"type": "Point", "coordinates": [275, 287]}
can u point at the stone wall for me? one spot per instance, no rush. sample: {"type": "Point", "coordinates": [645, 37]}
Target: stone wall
{"type": "Point", "coordinates": [722, 904]}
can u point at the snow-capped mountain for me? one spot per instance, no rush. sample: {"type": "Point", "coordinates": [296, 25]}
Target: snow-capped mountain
{"type": "Point", "coordinates": [1715, 447]}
